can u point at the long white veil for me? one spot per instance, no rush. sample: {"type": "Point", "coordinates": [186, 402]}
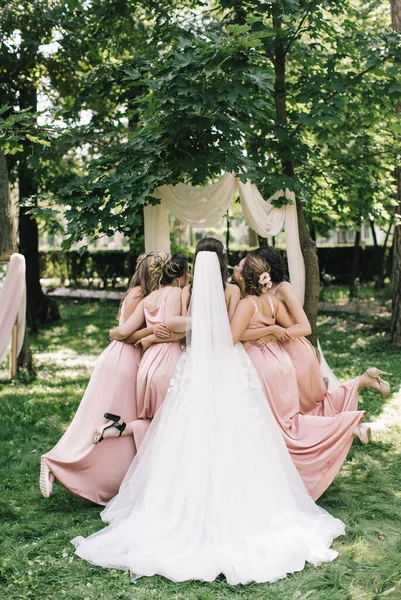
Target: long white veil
{"type": "Point", "coordinates": [212, 489]}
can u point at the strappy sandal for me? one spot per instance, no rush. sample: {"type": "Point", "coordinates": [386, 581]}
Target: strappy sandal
{"type": "Point", "coordinates": [384, 386]}
{"type": "Point", "coordinates": [98, 435]}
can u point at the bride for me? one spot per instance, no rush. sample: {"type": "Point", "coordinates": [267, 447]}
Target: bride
{"type": "Point", "coordinates": [212, 489]}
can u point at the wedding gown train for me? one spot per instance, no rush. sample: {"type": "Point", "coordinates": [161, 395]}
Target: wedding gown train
{"type": "Point", "coordinates": [212, 488]}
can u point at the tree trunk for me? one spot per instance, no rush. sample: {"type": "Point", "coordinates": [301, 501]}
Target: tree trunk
{"type": "Point", "coordinates": [308, 246]}
{"type": "Point", "coordinates": [378, 258]}
{"type": "Point", "coordinates": [39, 306]}
{"type": "Point", "coordinates": [8, 234]}
{"type": "Point", "coordinates": [253, 239]}
{"type": "Point", "coordinates": [355, 266]}
{"type": "Point", "coordinates": [396, 304]}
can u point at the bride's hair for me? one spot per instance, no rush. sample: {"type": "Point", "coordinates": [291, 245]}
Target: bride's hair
{"type": "Point", "coordinates": [254, 266]}
{"type": "Point", "coordinates": [275, 260]}
{"type": "Point", "coordinates": [177, 266]}
{"type": "Point", "coordinates": [209, 244]}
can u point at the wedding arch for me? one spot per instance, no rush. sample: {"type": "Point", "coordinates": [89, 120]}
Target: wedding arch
{"type": "Point", "coordinates": [203, 206]}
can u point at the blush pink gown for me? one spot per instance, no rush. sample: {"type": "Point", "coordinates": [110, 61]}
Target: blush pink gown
{"type": "Point", "coordinates": [90, 471]}
{"type": "Point", "coordinates": [314, 399]}
{"type": "Point", "coordinates": [318, 444]}
{"type": "Point", "coordinates": [157, 366]}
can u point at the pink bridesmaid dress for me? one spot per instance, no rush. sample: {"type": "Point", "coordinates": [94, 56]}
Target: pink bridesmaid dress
{"type": "Point", "coordinates": [318, 444]}
{"type": "Point", "coordinates": [314, 399]}
{"type": "Point", "coordinates": [157, 366]}
{"type": "Point", "coordinates": [90, 471]}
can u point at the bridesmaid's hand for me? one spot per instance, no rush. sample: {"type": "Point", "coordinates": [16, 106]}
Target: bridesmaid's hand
{"type": "Point", "coordinates": [280, 333]}
{"type": "Point", "coordinates": [267, 339]}
{"type": "Point", "coordinates": [161, 331]}
{"type": "Point", "coordinates": [144, 343]}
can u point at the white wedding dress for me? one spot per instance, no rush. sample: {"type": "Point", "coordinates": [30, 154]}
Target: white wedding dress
{"type": "Point", "coordinates": [212, 489]}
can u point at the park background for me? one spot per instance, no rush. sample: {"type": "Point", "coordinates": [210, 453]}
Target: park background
{"type": "Point", "coordinates": [104, 100]}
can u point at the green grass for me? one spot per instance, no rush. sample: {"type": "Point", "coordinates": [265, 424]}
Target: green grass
{"type": "Point", "coordinates": [37, 560]}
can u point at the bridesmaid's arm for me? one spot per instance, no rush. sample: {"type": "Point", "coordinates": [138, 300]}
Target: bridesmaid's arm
{"type": "Point", "coordinates": [233, 300]}
{"type": "Point", "coordinates": [185, 300]}
{"type": "Point", "coordinates": [133, 323]}
{"type": "Point", "coordinates": [147, 341]}
{"type": "Point", "coordinates": [255, 333]}
{"type": "Point", "coordinates": [241, 318]}
{"type": "Point", "coordinates": [138, 335]}
{"type": "Point", "coordinates": [172, 314]}
{"type": "Point", "coordinates": [132, 300]}
{"type": "Point", "coordinates": [287, 295]}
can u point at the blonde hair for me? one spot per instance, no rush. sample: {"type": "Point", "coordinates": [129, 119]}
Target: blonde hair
{"type": "Point", "coordinates": [252, 269]}
{"type": "Point", "coordinates": [138, 279]}
{"type": "Point", "coordinates": [155, 266]}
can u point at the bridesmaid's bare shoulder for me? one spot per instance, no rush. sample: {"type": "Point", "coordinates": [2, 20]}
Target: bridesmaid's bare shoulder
{"type": "Point", "coordinates": [285, 289]}
{"type": "Point", "coordinates": [135, 293]}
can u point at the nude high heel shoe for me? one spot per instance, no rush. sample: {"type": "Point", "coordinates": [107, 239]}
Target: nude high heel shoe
{"type": "Point", "coordinates": [46, 486]}
{"type": "Point", "coordinates": [385, 387]}
{"type": "Point", "coordinates": [364, 433]}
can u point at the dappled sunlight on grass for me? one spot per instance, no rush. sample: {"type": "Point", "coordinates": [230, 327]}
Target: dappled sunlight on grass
{"type": "Point", "coordinates": [38, 561]}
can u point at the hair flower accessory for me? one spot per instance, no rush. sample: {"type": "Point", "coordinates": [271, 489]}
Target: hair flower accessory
{"type": "Point", "coordinates": [265, 281]}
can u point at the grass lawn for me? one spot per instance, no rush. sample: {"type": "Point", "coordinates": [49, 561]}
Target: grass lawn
{"type": "Point", "coordinates": [36, 559]}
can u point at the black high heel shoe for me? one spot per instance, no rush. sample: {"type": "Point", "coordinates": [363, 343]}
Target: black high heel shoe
{"type": "Point", "coordinates": [98, 435]}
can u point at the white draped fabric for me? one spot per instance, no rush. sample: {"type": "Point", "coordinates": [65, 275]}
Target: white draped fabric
{"type": "Point", "coordinates": [199, 206]}
{"type": "Point", "coordinates": [266, 219]}
{"type": "Point", "coordinates": [12, 304]}
{"type": "Point", "coordinates": [204, 206]}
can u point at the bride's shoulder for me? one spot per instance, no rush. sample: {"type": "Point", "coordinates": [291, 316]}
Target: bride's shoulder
{"type": "Point", "coordinates": [232, 290]}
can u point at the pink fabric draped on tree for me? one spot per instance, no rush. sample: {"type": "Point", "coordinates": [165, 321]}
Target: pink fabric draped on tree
{"type": "Point", "coordinates": [12, 304]}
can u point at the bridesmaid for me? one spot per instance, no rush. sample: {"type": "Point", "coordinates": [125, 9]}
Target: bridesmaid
{"type": "Point", "coordinates": [318, 445]}
{"type": "Point", "coordinates": [313, 396]}
{"type": "Point", "coordinates": [232, 293]}
{"type": "Point", "coordinates": [96, 472]}
{"type": "Point", "coordinates": [162, 308]}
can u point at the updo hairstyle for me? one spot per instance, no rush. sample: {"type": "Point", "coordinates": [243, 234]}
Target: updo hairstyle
{"type": "Point", "coordinates": [275, 261]}
{"type": "Point", "coordinates": [256, 274]}
{"type": "Point", "coordinates": [176, 267]}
